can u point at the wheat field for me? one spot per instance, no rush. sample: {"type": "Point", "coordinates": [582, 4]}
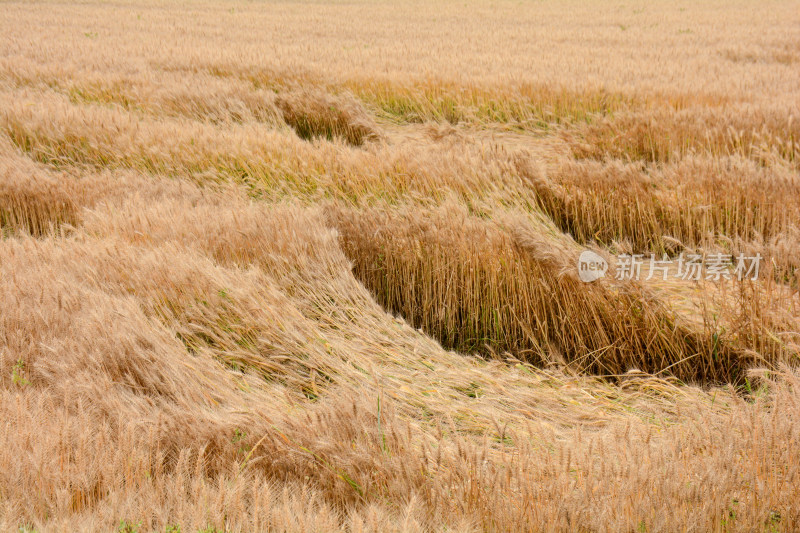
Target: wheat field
{"type": "Point", "coordinates": [315, 266]}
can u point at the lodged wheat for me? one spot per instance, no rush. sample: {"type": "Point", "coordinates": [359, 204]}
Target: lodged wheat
{"type": "Point", "coordinates": [314, 266]}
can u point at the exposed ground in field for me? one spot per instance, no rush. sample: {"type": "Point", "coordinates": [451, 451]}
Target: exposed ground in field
{"type": "Point", "coordinates": [312, 266]}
